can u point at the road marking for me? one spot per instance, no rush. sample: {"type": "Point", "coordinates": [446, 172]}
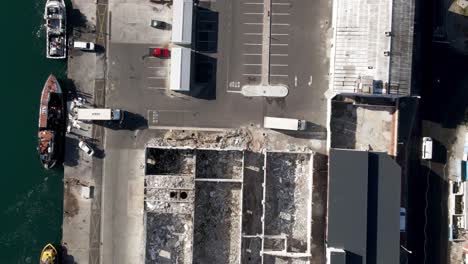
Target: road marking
{"type": "Point", "coordinates": [295, 81]}
{"type": "Point", "coordinates": [279, 75]}
{"type": "Point", "coordinates": [251, 74]}
{"type": "Point", "coordinates": [252, 44]}
{"type": "Point", "coordinates": [252, 3]}
{"type": "Point", "coordinates": [254, 24]}
{"type": "Point", "coordinates": [280, 24]}
{"type": "Point", "coordinates": [310, 81]}
{"type": "Point", "coordinates": [157, 77]}
{"type": "Point", "coordinates": [281, 14]}
{"type": "Point", "coordinates": [280, 34]}
{"type": "Point", "coordinates": [279, 55]}
{"type": "Point", "coordinates": [279, 44]}
{"type": "Point", "coordinates": [280, 65]}
{"type": "Point", "coordinates": [252, 54]}
{"type": "Point", "coordinates": [283, 4]}
{"type": "Point", "coordinates": [230, 91]}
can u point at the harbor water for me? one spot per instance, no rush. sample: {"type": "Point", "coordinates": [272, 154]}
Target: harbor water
{"type": "Point", "coordinates": [31, 197]}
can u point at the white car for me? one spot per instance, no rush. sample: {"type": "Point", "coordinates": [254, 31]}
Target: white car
{"type": "Point", "coordinates": [89, 46]}
{"type": "Point", "coordinates": [426, 148]}
{"type": "Point", "coordinates": [86, 148]}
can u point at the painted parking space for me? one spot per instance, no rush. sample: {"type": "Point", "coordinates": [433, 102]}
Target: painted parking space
{"type": "Point", "coordinates": [279, 42]}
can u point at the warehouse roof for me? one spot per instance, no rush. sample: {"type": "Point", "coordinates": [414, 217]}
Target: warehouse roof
{"type": "Point", "coordinates": [364, 206]}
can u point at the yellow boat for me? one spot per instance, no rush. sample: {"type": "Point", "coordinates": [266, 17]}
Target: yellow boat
{"type": "Point", "coordinates": [48, 255]}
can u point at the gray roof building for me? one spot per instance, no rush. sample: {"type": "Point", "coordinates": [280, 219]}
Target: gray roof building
{"type": "Point", "coordinates": [363, 207]}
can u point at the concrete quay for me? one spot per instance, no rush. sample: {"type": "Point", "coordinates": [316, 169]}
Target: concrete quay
{"type": "Point", "coordinates": [82, 174]}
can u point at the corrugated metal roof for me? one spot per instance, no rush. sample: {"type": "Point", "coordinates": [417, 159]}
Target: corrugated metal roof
{"type": "Point", "coordinates": [364, 206]}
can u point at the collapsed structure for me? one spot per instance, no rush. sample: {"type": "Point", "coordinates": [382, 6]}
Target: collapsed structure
{"type": "Point", "coordinates": [228, 206]}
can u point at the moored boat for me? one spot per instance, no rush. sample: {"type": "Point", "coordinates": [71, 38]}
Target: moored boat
{"type": "Point", "coordinates": [51, 122]}
{"type": "Point", "coordinates": [48, 255]}
{"type": "Point", "coordinates": [56, 29]}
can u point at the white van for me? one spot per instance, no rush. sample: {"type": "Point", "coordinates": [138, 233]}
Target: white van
{"type": "Point", "coordinates": [88, 46]}
{"type": "Point", "coordinates": [98, 114]}
{"type": "Point", "coordinates": [426, 153]}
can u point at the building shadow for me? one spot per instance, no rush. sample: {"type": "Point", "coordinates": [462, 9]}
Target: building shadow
{"type": "Point", "coordinates": [71, 152]}
{"type": "Point", "coordinates": [312, 131]}
{"type": "Point", "coordinates": [439, 152]}
{"type": "Point", "coordinates": [65, 257]}
{"type": "Point", "coordinates": [206, 32]}
{"type": "Point", "coordinates": [203, 84]}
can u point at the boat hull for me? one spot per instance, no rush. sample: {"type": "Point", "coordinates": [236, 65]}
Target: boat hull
{"type": "Point", "coordinates": [48, 255]}
{"type": "Point", "coordinates": [56, 29]}
{"type": "Point", "coordinates": [51, 123]}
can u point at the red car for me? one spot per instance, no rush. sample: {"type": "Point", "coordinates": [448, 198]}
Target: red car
{"type": "Point", "coordinates": [161, 53]}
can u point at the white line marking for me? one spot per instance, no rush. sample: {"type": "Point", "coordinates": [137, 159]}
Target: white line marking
{"type": "Point", "coordinates": [157, 77]}
{"type": "Point", "coordinates": [252, 64]}
{"type": "Point", "coordinates": [281, 14]}
{"type": "Point", "coordinates": [281, 4]}
{"type": "Point", "coordinates": [280, 65]}
{"type": "Point", "coordinates": [252, 54]}
{"type": "Point", "coordinates": [279, 75]}
{"type": "Point", "coordinates": [251, 74]}
{"type": "Point", "coordinates": [251, 3]}
{"type": "Point", "coordinates": [253, 44]}
{"type": "Point", "coordinates": [280, 24]}
{"type": "Point", "coordinates": [295, 81]}
{"type": "Point", "coordinates": [229, 91]}
{"type": "Point", "coordinates": [254, 24]}
{"type": "Point", "coordinates": [280, 34]}
{"type": "Point", "coordinates": [279, 55]}
{"type": "Point", "coordinates": [310, 81]}
{"type": "Point", "coordinates": [278, 44]}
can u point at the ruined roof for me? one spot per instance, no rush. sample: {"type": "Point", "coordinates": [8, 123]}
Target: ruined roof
{"type": "Point", "coordinates": [364, 201]}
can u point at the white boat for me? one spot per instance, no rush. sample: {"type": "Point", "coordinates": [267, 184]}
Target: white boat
{"type": "Point", "coordinates": [56, 28]}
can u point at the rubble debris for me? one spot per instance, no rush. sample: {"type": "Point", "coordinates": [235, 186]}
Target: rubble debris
{"type": "Point", "coordinates": [288, 194]}
{"type": "Point", "coordinates": [228, 165]}
{"type": "Point", "coordinates": [217, 225]}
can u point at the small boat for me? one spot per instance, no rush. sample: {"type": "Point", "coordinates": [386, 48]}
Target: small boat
{"type": "Point", "coordinates": [56, 29]}
{"type": "Point", "coordinates": [48, 255]}
{"type": "Point", "coordinates": [51, 122]}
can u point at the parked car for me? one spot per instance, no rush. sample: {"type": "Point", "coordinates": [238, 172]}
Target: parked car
{"type": "Point", "coordinates": [86, 148]}
{"type": "Point", "coordinates": [426, 148]}
{"type": "Point", "coordinates": [158, 24]}
{"type": "Point", "coordinates": [88, 46]}
{"type": "Point", "coordinates": [161, 52]}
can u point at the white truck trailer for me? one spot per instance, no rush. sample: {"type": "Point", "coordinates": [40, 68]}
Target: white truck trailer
{"type": "Point", "coordinates": [284, 123]}
{"type": "Point", "coordinates": [180, 69]}
{"type": "Point", "coordinates": [98, 114]}
{"type": "Point", "coordinates": [182, 13]}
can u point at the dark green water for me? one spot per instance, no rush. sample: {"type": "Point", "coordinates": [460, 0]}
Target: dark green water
{"type": "Point", "coordinates": [30, 197]}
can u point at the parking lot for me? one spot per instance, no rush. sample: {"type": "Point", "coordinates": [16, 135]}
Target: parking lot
{"type": "Point", "coordinates": [228, 53]}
